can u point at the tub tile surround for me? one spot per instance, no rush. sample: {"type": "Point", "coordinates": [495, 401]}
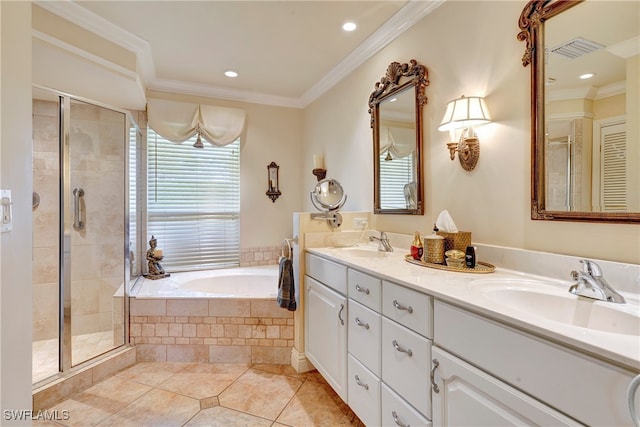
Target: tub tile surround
{"type": "Point", "coordinates": [211, 330]}
{"type": "Point", "coordinates": [206, 394]}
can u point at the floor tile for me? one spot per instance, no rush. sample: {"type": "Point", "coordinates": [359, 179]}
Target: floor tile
{"type": "Point", "coordinates": [157, 408]}
{"type": "Point", "coordinates": [100, 401]}
{"type": "Point", "coordinates": [151, 373]}
{"type": "Point", "coordinates": [315, 404]}
{"type": "Point", "coordinates": [225, 417]}
{"type": "Point", "coordinates": [202, 380]}
{"type": "Point", "coordinates": [260, 393]}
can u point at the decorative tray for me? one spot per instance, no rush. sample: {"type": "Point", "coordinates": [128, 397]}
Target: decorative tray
{"type": "Point", "coordinates": [481, 267]}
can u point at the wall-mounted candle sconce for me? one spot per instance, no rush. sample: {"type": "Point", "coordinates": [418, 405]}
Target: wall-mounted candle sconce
{"type": "Point", "coordinates": [272, 173]}
{"type": "Point", "coordinates": [318, 167]}
{"type": "Point", "coordinates": [461, 115]}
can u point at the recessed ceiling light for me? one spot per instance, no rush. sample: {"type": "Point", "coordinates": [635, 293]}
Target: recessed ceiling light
{"type": "Point", "coordinates": [587, 76]}
{"type": "Point", "coordinates": [349, 26]}
{"type": "Point", "coordinates": [231, 73]}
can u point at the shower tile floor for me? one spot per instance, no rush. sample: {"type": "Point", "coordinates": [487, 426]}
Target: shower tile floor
{"type": "Point", "coordinates": [206, 394]}
{"type": "Point", "coordinates": [84, 347]}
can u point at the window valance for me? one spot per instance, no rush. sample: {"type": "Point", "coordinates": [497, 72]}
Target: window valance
{"type": "Point", "coordinates": [400, 142]}
{"type": "Point", "coordinates": [179, 121]}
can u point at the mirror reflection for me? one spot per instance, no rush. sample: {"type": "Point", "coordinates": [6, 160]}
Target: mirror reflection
{"type": "Point", "coordinates": [397, 152]}
{"type": "Point", "coordinates": [396, 118]}
{"type": "Point", "coordinates": [586, 84]}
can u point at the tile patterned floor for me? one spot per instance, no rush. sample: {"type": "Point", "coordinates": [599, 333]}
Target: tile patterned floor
{"type": "Point", "coordinates": [206, 394]}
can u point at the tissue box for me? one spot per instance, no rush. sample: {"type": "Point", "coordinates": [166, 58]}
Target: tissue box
{"type": "Point", "coordinates": [459, 240]}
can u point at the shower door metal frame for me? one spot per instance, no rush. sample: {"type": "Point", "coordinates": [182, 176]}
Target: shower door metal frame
{"type": "Point", "coordinates": [65, 361]}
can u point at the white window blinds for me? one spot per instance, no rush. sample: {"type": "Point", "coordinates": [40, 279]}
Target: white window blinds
{"type": "Point", "coordinates": [194, 203]}
{"type": "Point", "coordinates": [614, 168]}
{"type": "Point", "coordinates": [394, 176]}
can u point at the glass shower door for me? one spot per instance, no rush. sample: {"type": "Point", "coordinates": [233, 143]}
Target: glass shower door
{"type": "Point", "coordinates": [94, 186]}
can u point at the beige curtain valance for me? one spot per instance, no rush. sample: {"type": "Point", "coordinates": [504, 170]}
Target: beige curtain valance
{"type": "Point", "coordinates": [179, 121]}
{"type": "Point", "coordinates": [400, 142]}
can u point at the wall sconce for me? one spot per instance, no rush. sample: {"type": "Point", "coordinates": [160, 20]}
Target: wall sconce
{"type": "Point", "coordinates": [272, 173]}
{"type": "Point", "coordinates": [318, 167]}
{"type": "Point", "coordinates": [462, 114]}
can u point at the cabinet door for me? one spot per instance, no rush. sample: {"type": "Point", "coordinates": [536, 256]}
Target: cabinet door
{"type": "Point", "coordinates": [364, 393]}
{"type": "Point", "coordinates": [326, 333]}
{"type": "Point", "coordinates": [364, 336]}
{"type": "Point", "coordinates": [406, 359]}
{"type": "Point", "coordinates": [468, 396]}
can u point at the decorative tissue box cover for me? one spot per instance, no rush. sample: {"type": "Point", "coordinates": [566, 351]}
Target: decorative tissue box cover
{"type": "Point", "coordinates": [459, 240]}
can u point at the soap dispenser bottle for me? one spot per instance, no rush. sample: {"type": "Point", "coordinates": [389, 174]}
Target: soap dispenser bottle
{"type": "Point", "coordinates": [416, 247]}
{"type": "Point", "coordinates": [470, 257]}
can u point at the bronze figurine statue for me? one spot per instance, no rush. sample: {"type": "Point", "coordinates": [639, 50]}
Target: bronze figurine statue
{"type": "Point", "coordinates": [154, 256]}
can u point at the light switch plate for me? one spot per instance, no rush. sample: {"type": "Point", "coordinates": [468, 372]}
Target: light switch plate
{"type": "Point", "coordinates": [6, 220]}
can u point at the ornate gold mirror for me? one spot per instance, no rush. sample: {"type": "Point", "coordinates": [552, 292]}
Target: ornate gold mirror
{"type": "Point", "coordinates": [585, 130]}
{"type": "Point", "coordinates": [396, 119]}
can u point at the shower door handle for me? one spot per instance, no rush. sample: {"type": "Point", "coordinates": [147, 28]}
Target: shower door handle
{"type": "Point", "coordinates": [78, 223]}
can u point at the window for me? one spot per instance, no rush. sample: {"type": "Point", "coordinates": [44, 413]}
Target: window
{"type": "Point", "coordinates": [395, 174]}
{"type": "Point", "coordinates": [193, 203]}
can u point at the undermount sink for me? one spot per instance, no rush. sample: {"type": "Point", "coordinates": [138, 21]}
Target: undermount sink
{"type": "Point", "coordinates": [366, 251]}
{"type": "Point", "coordinates": [557, 304]}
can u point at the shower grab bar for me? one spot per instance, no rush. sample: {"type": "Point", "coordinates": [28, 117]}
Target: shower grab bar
{"type": "Point", "coordinates": [78, 224]}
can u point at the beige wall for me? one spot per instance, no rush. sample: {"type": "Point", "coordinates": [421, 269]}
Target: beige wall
{"type": "Point", "coordinates": [271, 134]}
{"type": "Point", "coordinates": [15, 172]}
{"type": "Point", "coordinates": [468, 47]}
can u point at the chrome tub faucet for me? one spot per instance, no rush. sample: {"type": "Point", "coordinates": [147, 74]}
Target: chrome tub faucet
{"type": "Point", "coordinates": [383, 242]}
{"type": "Point", "coordinates": [591, 283]}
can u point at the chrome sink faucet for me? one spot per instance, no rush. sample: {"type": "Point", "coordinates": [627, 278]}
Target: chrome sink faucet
{"type": "Point", "coordinates": [590, 283]}
{"type": "Point", "coordinates": [383, 242]}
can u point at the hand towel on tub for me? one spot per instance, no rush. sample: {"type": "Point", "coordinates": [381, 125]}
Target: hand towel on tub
{"type": "Point", "coordinates": [286, 289]}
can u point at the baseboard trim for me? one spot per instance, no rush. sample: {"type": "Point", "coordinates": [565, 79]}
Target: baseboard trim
{"type": "Point", "coordinates": [299, 361]}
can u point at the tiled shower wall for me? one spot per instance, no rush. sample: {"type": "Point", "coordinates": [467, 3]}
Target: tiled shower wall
{"type": "Point", "coordinates": [97, 164]}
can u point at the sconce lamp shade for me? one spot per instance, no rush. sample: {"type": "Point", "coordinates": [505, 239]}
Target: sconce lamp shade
{"type": "Point", "coordinates": [465, 112]}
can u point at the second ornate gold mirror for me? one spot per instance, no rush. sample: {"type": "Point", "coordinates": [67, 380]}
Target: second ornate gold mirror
{"type": "Point", "coordinates": [585, 104]}
{"type": "Point", "coordinates": [396, 119]}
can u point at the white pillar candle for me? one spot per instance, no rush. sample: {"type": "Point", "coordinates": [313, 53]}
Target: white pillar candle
{"type": "Point", "coordinates": [318, 161]}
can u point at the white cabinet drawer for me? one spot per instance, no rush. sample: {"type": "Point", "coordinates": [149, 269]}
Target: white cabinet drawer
{"type": "Point", "coordinates": [397, 412]}
{"type": "Point", "coordinates": [589, 390]}
{"type": "Point", "coordinates": [364, 335]}
{"type": "Point", "coordinates": [365, 289]}
{"type": "Point", "coordinates": [406, 363]}
{"type": "Point", "coordinates": [328, 272]}
{"type": "Point", "coordinates": [364, 393]}
{"type": "Point", "coordinates": [408, 307]}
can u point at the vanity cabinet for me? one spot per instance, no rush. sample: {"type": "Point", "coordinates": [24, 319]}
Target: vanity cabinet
{"type": "Point", "coordinates": [389, 352]}
{"type": "Point", "coordinates": [487, 370]}
{"type": "Point", "coordinates": [468, 396]}
{"type": "Point", "coordinates": [326, 314]}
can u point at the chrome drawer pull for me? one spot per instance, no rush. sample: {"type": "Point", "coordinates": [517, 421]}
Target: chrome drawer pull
{"type": "Point", "coordinates": [359, 323]}
{"type": "Point", "coordinates": [397, 421]}
{"type": "Point", "coordinates": [340, 314]}
{"type": "Point", "coordinates": [359, 289]}
{"type": "Point", "coordinates": [361, 384]}
{"type": "Point", "coordinates": [402, 350]}
{"type": "Point", "coordinates": [434, 386]}
{"type": "Point", "coordinates": [402, 307]}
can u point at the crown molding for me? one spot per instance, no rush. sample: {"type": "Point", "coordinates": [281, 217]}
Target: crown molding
{"type": "Point", "coordinates": [96, 24]}
{"type": "Point", "coordinates": [405, 18]}
{"type": "Point", "coordinates": [176, 86]}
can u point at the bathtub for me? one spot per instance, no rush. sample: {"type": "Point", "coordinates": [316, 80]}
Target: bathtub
{"type": "Point", "coordinates": [243, 282]}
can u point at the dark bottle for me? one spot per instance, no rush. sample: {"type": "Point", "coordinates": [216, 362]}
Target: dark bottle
{"type": "Point", "coordinates": [470, 257]}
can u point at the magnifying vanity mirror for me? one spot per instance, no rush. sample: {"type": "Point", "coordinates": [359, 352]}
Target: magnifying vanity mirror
{"type": "Point", "coordinates": [396, 119]}
{"type": "Point", "coordinates": [585, 86]}
{"type": "Point", "coordinates": [328, 196]}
